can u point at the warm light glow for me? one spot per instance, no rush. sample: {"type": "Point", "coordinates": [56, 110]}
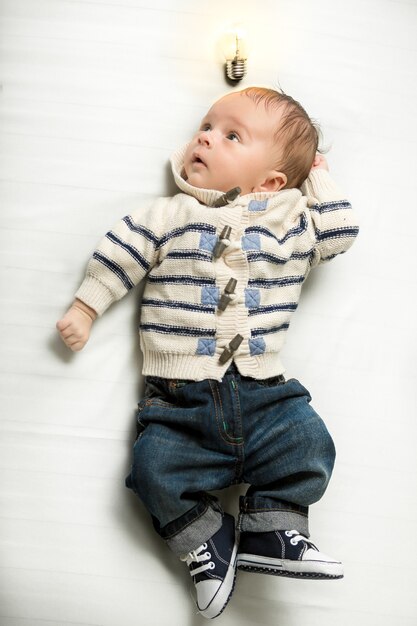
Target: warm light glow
{"type": "Point", "coordinates": [234, 50]}
{"type": "Point", "coordinates": [234, 43]}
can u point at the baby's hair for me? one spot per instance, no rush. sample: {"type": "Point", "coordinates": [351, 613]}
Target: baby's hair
{"type": "Point", "coordinates": [297, 136]}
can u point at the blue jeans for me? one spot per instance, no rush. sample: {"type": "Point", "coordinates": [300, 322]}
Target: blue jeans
{"type": "Point", "coordinates": [197, 437]}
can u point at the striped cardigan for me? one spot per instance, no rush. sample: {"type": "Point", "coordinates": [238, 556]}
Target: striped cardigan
{"type": "Point", "coordinates": [275, 239]}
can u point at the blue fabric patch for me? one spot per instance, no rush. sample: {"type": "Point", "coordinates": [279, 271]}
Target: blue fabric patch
{"type": "Point", "coordinates": [207, 346]}
{"type": "Point", "coordinates": [251, 242]}
{"type": "Point", "coordinates": [252, 298]}
{"type": "Point", "coordinates": [210, 295]}
{"type": "Point", "coordinates": [257, 205]}
{"type": "Point", "coordinates": [257, 346]}
{"type": "Point", "coordinates": [208, 241]}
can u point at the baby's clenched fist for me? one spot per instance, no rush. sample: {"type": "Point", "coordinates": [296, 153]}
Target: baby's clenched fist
{"type": "Point", "coordinates": [75, 327]}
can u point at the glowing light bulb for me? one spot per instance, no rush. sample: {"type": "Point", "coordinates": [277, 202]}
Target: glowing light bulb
{"type": "Point", "coordinates": [236, 60]}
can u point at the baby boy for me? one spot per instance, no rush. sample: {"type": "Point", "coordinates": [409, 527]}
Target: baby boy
{"type": "Point", "coordinates": [224, 262]}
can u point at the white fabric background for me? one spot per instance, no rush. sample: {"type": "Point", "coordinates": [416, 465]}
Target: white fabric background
{"type": "Point", "coordinates": [95, 96]}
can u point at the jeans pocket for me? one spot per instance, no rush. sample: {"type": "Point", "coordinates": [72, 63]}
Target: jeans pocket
{"type": "Point", "coordinates": [155, 387]}
{"type": "Point", "coordinates": [274, 381]}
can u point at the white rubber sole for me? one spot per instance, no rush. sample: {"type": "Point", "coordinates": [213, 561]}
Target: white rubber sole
{"type": "Point", "coordinates": [286, 567]}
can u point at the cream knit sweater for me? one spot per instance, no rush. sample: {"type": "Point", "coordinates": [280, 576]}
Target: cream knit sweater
{"type": "Point", "coordinates": [275, 239]}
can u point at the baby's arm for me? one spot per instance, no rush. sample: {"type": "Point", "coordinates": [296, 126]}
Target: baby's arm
{"type": "Point", "coordinates": [74, 328]}
{"type": "Point", "coordinates": [120, 261]}
{"type": "Point", "coordinates": [332, 222]}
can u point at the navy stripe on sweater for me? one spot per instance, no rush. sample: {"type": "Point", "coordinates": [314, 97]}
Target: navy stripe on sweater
{"type": "Point", "coordinates": [293, 232]}
{"type": "Point", "coordinates": [195, 227]}
{"type": "Point", "coordinates": [176, 304]}
{"type": "Point", "coordinates": [274, 258]}
{"type": "Point", "coordinates": [170, 279]}
{"type": "Point", "coordinates": [199, 255]}
{"type": "Point", "coordinates": [272, 308]}
{"type": "Point", "coordinates": [115, 268]}
{"type": "Point", "coordinates": [141, 230]}
{"type": "Point", "coordinates": [326, 207]}
{"type": "Point", "coordinates": [134, 253]}
{"type": "Point", "coordinates": [269, 283]}
{"type": "Point", "coordinates": [185, 331]}
{"type": "Point", "coordinates": [257, 332]}
{"type": "Point", "coordinates": [337, 233]}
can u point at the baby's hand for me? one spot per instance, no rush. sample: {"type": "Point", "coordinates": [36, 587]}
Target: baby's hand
{"type": "Point", "coordinates": [75, 326]}
{"type": "Point", "coordinates": [320, 163]}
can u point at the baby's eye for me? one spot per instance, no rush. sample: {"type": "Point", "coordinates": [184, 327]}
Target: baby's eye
{"type": "Point", "coordinates": [233, 136]}
{"type": "Point", "coordinates": [205, 127]}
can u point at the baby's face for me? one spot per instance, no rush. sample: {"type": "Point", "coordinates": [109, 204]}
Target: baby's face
{"type": "Point", "coordinates": [234, 146]}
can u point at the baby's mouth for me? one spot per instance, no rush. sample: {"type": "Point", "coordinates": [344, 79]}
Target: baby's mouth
{"type": "Point", "coordinates": [198, 159]}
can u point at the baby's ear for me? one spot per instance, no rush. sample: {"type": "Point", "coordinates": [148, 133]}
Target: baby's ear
{"type": "Point", "coordinates": [274, 182]}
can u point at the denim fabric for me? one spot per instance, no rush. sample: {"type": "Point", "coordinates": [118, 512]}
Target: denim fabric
{"type": "Point", "coordinates": [197, 437]}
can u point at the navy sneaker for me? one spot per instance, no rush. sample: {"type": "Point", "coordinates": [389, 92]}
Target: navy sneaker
{"type": "Point", "coordinates": [285, 553]}
{"type": "Point", "coordinates": [213, 569]}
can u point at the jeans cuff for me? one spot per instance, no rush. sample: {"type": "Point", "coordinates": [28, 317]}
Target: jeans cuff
{"type": "Point", "coordinates": [194, 528]}
{"type": "Point", "coordinates": [260, 515]}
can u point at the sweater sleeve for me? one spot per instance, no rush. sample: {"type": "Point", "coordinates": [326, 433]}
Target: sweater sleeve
{"type": "Point", "coordinates": [122, 258]}
{"type": "Point", "coordinates": [332, 220]}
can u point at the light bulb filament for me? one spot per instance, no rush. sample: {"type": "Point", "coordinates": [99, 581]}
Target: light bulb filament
{"type": "Point", "coordinates": [237, 47]}
{"type": "Point", "coordinates": [236, 57]}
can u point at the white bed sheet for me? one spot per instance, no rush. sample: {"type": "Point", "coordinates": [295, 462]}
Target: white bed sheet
{"type": "Point", "coordinates": [95, 96]}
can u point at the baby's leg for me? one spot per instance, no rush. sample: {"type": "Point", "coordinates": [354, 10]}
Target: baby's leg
{"type": "Point", "coordinates": [179, 455]}
{"type": "Point", "coordinates": [289, 457]}
{"type": "Point", "coordinates": [289, 461]}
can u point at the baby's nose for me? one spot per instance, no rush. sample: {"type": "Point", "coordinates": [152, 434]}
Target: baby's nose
{"type": "Point", "coordinates": [205, 138]}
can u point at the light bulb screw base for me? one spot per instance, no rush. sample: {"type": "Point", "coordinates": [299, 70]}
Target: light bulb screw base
{"type": "Point", "coordinates": [235, 69]}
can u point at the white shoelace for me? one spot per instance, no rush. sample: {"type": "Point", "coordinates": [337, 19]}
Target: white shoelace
{"type": "Point", "coordinates": [196, 557]}
{"type": "Point", "coordinates": [296, 538]}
